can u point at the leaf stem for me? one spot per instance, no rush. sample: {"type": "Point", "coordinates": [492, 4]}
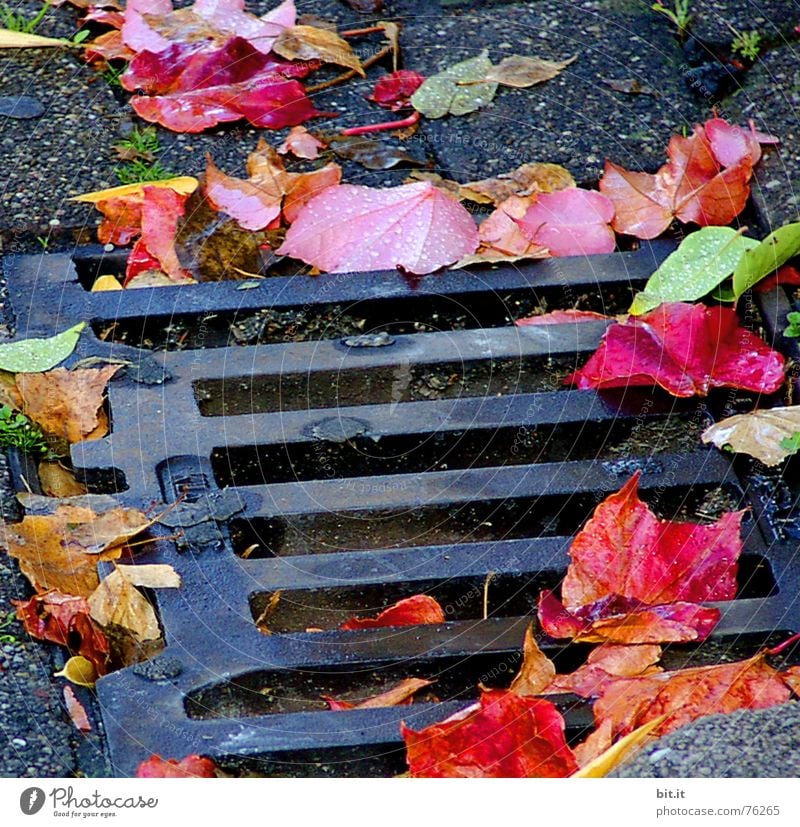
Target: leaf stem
{"type": "Point", "coordinates": [370, 61]}
{"type": "Point", "coordinates": [382, 127]}
{"type": "Point", "coordinates": [360, 32]}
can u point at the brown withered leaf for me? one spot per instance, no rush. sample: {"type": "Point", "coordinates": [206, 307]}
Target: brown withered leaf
{"type": "Point", "coordinates": [370, 153]}
{"type": "Point", "coordinates": [521, 71]}
{"type": "Point", "coordinates": [768, 435]}
{"type": "Point", "coordinates": [398, 695]}
{"type": "Point", "coordinates": [311, 43]}
{"type": "Point", "coordinates": [527, 179]}
{"type": "Point", "coordinates": [262, 620]}
{"type": "Point", "coordinates": [117, 602]}
{"type": "Point", "coordinates": [45, 561]}
{"type": "Point", "coordinates": [630, 87]}
{"type": "Point", "coordinates": [76, 710]}
{"type": "Point", "coordinates": [391, 31]}
{"type": "Point", "coordinates": [151, 575]}
{"type": "Point", "coordinates": [67, 404]}
{"type": "Point", "coordinates": [58, 481]}
{"type": "Point", "coordinates": [537, 671]}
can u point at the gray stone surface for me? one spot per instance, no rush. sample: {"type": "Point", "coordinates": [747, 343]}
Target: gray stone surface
{"type": "Point", "coordinates": [771, 97]}
{"type": "Point", "coordinates": [576, 119]}
{"type": "Point", "coordinates": [745, 744]}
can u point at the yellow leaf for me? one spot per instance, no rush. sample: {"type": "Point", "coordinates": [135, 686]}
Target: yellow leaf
{"type": "Point", "coordinates": [184, 184]}
{"type": "Point", "coordinates": [23, 40]}
{"type": "Point", "coordinates": [57, 481]}
{"type": "Point", "coordinates": [80, 671]}
{"type": "Point", "coordinates": [617, 753]}
{"type": "Point", "coordinates": [104, 283]}
{"type": "Point", "coordinates": [311, 43]}
{"type": "Point", "coordinates": [116, 601]}
{"type": "Point", "coordinates": [151, 576]}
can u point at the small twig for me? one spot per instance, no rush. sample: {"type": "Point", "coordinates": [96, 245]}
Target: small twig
{"type": "Point", "coordinates": [370, 61]}
{"type": "Point", "coordinates": [359, 32]}
{"type": "Point", "coordinates": [382, 127]}
{"type": "Point", "coordinates": [489, 578]}
{"type": "Point", "coordinates": [776, 650]}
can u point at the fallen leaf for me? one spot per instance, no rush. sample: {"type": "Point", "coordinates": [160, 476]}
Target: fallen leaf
{"type": "Point", "coordinates": [252, 205]}
{"type": "Point", "coordinates": [350, 228]}
{"type": "Point", "coordinates": [605, 663]}
{"type": "Point", "coordinates": [527, 179]}
{"type": "Point", "coordinates": [398, 695]}
{"type": "Point", "coordinates": [537, 671]}
{"type": "Point", "coordinates": [768, 435]}
{"type": "Point", "coordinates": [122, 220]}
{"type": "Point", "coordinates": [235, 82]}
{"type": "Point", "coordinates": [61, 550]}
{"type": "Point", "coordinates": [64, 619]}
{"type": "Point", "coordinates": [192, 766]}
{"type": "Point", "coordinates": [151, 575]}
{"type": "Point", "coordinates": [80, 671]}
{"type": "Point", "coordinates": [10, 39]}
{"type": "Point", "coordinates": [305, 186]}
{"type": "Point", "coordinates": [411, 611]}
{"type": "Point", "coordinates": [184, 184]}
{"type": "Point", "coordinates": [487, 256]}
{"type": "Point", "coordinates": [76, 710]}
{"type": "Point", "coordinates": [563, 317]}
{"type": "Point", "coordinates": [153, 25]}
{"type": "Point", "coordinates": [37, 355]}
{"type": "Point", "coordinates": [625, 549]}
{"type": "Point", "coordinates": [521, 72]}
{"type": "Point", "coordinates": [601, 765]}
{"type": "Point", "coordinates": [686, 349]}
{"type": "Point", "coordinates": [500, 234]}
{"type": "Point", "coordinates": [162, 210]}
{"type": "Point", "coordinates": [262, 621]}
{"type": "Point", "coordinates": [302, 144]}
{"type": "Point", "coordinates": [694, 186]}
{"type": "Point", "coordinates": [759, 260]}
{"type": "Point", "coordinates": [703, 260]}
{"type": "Point", "coordinates": [630, 87]}
{"type": "Point", "coordinates": [58, 481]}
{"type": "Point", "coordinates": [310, 43]}
{"type": "Point", "coordinates": [570, 222]}
{"type": "Point", "coordinates": [458, 90]}
{"type": "Point", "coordinates": [117, 602]}
{"type": "Point", "coordinates": [394, 90]}
{"type": "Point", "coordinates": [67, 403]}
{"type": "Point", "coordinates": [370, 153]}
{"type": "Point", "coordinates": [621, 620]}
{"type": "Point", "coordinates": [105, 283]}
{"type": "Point", "coordinates": [504, 735]}
{"type": "Point", "coordinates": [688, 694]}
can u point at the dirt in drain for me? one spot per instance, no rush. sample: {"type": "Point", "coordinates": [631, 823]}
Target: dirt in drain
{"type": "Point", "coordinates": [479, 521]}
{"type": "Point", "coordinates": [422, 313]}
{"type": "Point", "coordinates": [362, 456]}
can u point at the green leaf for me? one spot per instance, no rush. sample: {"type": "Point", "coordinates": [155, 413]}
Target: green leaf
{"type": "Point", "coordinates": [457, 90]}
{"type": "Point", "coordinates": [37, 355]}
{"type": "Point", "coordinates": [776, 249]}
{"type": "Point", "coordinates": [702, 262]}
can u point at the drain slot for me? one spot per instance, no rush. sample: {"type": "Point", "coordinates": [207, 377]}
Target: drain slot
{"type": "Point", "coordinates": [476, 521]}
{"type": "Point", "coordinates": [475, 448]}
{"type": "Point", "coordinates": [403, 382]}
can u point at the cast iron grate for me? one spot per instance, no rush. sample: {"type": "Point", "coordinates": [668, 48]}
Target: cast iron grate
{"type": "Point", "coordinates": [350, 465]}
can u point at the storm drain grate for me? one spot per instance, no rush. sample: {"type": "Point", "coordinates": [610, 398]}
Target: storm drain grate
{"type": "Point", "coordinates": [353, 440]}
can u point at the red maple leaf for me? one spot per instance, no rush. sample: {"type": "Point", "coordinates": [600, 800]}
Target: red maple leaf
{"type": "Point", "coordinates": [634, 578]}
{"type": "Point", "coordinates": [66, 620]}
{"type": "Point", "coordinates": [504, 735]}
{"type": "Point", "coordinates": [706, 181]}
{"type": "Point", "coordinates": [394, 91]}
{"type": "Point", "coordinates": [687, 349]}
{"type": "Point", "coordinates": [192, 766]}
{"type": "Point", "coordinates": [409, 612]}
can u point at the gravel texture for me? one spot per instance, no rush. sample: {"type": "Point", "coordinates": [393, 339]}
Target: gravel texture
{"type": "Point", "coordinates": [746, 744]}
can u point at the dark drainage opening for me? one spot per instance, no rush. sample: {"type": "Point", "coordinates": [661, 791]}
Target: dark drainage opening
{"type": "Point", "coordinates": [512, 518]}
{"type": "Point", "coordinates": [461, 598]}
{"type": "Point", "coordinates": [403, 382]}
{"type": "Point", "coordinates": [301, 690]}
{"type": "Point", "coordinates": [441, 451]}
